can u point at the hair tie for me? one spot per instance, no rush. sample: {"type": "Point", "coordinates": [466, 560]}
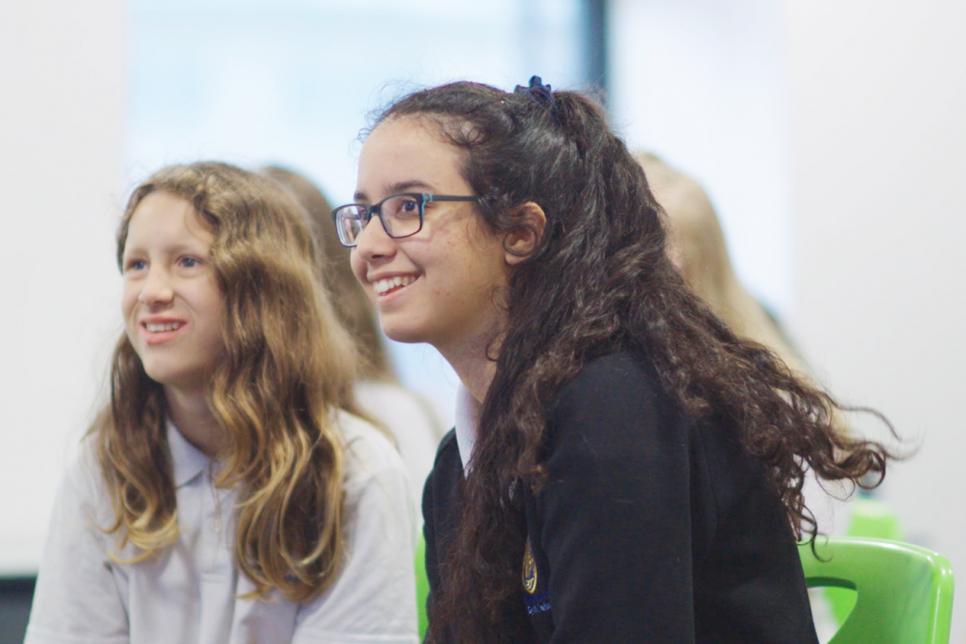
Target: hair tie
{"type": "Point", "coordinates": [542, 93]}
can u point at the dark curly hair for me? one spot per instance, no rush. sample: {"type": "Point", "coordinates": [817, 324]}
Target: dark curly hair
{"type": "Point", "coordinates": [599, 281]}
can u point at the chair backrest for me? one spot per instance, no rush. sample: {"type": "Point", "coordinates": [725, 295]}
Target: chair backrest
{"type": "Point", "coordinates": [869, 517]}
{"type": "Point", "coordinates": [422, 587]}
{"type": "Point", "coordinates": [904, 593]}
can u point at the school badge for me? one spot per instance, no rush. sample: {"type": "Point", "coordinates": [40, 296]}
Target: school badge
{"type": "Point", "coordinates": [529, 570]}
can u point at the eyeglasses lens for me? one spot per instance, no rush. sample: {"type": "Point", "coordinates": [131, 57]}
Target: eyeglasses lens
{"type": "Point", "coordinates": [350, 226]}
{"type": "Point", "coordinates": [400, 215]}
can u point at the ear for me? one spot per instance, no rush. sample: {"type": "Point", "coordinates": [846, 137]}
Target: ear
{"type": "Point", "coordinates": [523, 240]}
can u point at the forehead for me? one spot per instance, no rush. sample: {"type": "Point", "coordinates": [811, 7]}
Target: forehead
{"type": "Point", "coordinates": [406, 150]}
{"type": "Point", "coordinates": [162, 217]}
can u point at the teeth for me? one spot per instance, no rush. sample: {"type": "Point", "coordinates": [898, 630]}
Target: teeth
{"type": "Point", "coordinates": [383, 286]}
{"type": "Point", "coordinates": [154, 327]}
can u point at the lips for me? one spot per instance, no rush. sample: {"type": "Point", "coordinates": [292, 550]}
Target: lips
{"type": "Point", "coordinates": [161, 330]}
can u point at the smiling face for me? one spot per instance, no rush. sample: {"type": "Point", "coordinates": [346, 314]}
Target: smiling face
{"type": "Point", "coordinates": [172, 305]}
{"type": "Point", "coordinates": [442, 285]}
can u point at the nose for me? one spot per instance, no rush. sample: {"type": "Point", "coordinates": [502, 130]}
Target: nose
{"type": "Point", "coordinates": [373, 243]}
{"type": "Point", "coordinates": [156, 288]}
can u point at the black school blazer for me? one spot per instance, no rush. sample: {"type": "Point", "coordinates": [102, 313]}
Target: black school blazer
{"type": "Point", "coordinates": [650, 527]}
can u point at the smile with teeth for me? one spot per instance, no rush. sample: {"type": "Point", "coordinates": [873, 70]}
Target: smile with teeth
{"type": "Point", "coordinates": [162, 327]}
{"type": "Point", "coordinates": [393, 284]}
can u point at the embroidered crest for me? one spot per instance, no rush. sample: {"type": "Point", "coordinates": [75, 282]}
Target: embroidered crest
{"type": "Point", "coordinates": [529, 570]}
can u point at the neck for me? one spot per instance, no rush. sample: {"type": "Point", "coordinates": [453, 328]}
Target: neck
{"type": "Point", "coordinates": [190, 413]}
{"type": "Point", "coordinates": [471, 363]}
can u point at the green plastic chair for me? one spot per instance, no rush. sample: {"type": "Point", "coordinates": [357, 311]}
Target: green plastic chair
{"type": "Point", "coordinates": [422, 587]}
{"type": "Point", "coordinates": [872, 518]}
{"type": "Point", "coordinates": [904, 593]}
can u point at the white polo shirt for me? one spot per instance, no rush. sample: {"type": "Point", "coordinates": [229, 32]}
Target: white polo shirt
{"type": "Point", "coordinates": [190, 592]}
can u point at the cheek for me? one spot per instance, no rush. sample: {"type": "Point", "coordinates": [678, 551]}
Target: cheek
{"type": "Point", "coordinates": [212, 305]}
{"type": "Point", "coordinates": [129, 300]}
{"type": "Point", "coordinates": [358, 266]}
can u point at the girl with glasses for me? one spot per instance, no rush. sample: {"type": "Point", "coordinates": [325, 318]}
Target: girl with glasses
{"type": "Point", "coordinates": [227, 493]}
{"type": "Point", "coordinates": [623, 467]}
{"type": "Point", "coordinates": [411, 420]}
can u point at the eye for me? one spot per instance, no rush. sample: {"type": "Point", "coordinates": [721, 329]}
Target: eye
{"type": "Point", "coordinates": [402, 206]}
{"type": "Point", "coordinates": [189, 262]}
{"type": "Point", "coordinates": [135, 265]}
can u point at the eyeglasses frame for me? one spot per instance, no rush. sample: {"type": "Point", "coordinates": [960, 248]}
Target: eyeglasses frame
{"type": "Point", "coordinates": [422, 198]}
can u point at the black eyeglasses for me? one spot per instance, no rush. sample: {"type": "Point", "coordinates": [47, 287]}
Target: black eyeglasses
{"type": "Point", "coordinates": [401, 215]}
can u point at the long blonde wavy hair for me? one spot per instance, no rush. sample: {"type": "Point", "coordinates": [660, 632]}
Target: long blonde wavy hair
{"type": "Point", "coordinates": [286, 366]}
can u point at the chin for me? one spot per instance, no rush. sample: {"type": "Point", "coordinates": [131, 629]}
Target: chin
{"type": "Point", "coordinates": [163, 377]}
{"type": "Point", "coordinates": [409, 333]}
{"type": "Point", "coordinates": [406, 336]}
{"type": "Point", "coordinates": [170, 375]}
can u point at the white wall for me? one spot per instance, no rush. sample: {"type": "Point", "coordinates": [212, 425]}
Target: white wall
{"type": "Point", "coordinates": [700, 83]}
{"type": "Point", "coordinates": [61, 125]}
{"type": "Point", "coordinates": [832, 138]}
{"type": "Point", "coordinates": [877, 149]}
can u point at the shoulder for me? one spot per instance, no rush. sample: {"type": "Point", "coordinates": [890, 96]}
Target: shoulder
{"type": "Point", "coordinates": [372, 598]}
{"type": "Point", "coordinates": [615, 382]}
{"type": "Point", "coordinates": [410, 418]}
{"type": "Point", "coordinates": [614, 409]}
{"type": "Point", "coordinates": [83, 481]}
{"type": "Point", "coordinates": [81, 591]}
{"type": "Point", "coordinates": [368, 451]}
{"type": "Point", "coordinates": [84, 466]}
{"type": "Point", "coordinates": [367, 448]}
{"type": "Point", "coordinates": [621, 370]}
{"type": "Point", "coordinates": [374, 392]}
{"type": "Point", "coordinates": [82, 507]}
{"type": "Point", "coordinates": [399, 408]}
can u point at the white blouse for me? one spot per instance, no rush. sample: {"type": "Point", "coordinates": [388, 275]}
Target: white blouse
{"type": "Point", "coordinates": [468, 411]}
{"type": "Point", "coordinates": [190, 592]}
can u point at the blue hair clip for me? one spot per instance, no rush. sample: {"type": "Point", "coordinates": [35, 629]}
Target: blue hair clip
{"type": "Point", "coordinates": [542, 93]}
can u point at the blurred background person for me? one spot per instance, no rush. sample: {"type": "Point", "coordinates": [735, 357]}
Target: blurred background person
{"type": "Point", "coordinates": [406, 414]}
{"type": "Point", "coordinates": [697, 247]}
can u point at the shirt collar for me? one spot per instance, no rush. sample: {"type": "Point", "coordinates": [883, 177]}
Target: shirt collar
{"type": "Point", "coordinates": [187, 460]}
{"type": "Point", "coordinates": [467, 424]}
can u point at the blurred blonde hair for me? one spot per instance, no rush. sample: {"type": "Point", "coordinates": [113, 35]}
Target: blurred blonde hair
{"type": "Point", "coordinates": [287, 366]}
{"type": "Point", "coordinates": [697, 247]}
{"type": "Point", "coordinates": [350, 301]}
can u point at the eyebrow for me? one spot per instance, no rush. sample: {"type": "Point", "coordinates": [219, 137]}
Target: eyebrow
{"type": "Point", "coordinates": [179, 248]}
{"type": "Point", "coordinates": [395, 188]}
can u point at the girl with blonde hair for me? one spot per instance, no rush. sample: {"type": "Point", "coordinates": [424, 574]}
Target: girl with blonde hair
{"type": "Point", "coordinates": [227, 493]}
